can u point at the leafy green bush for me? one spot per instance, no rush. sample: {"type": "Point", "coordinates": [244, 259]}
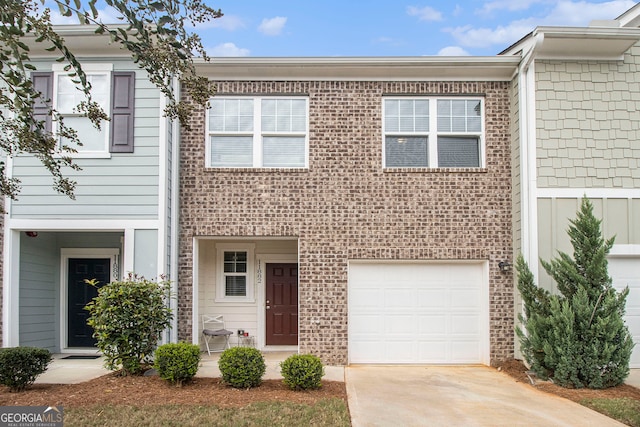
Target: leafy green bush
{"type": "Point", "coordinates": [177, 363]}
{"type": "Point", "coordinates": [302, 372]}
{"type": "Point", "coordinates": [19, 366]}
{"type": "Point", "coordinates": [128, 318]}
{"type": "Point", "coordinates": [577, 337]}
{"type": "Point", "coordinates": [242, 367]}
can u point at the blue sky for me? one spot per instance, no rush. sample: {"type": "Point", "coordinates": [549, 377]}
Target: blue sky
{"type": "Point", "coordinates": [387, 28]}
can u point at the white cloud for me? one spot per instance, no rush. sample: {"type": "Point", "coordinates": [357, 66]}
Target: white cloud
{"type": "Point", "coordinates": [565, 13]}
{"type": "Point", "coordinates": [108, 15]}
{"type": "Point", "coordinates": [227, 49]}
{"type": "Point", "coordinates": [272, 26]}
{"type": "Point", "coordinates": [458, 10]}
{"type": "Point", "coordinates": [484, 37]}
{"type": "Point", "coordinates": [225, 22]}
{"type": "Point", "coordinates": [453, 51]}
{"type": "Point", "coordinates": [510, 5]}
{"type": "Point", "coordinates": [424, 13]}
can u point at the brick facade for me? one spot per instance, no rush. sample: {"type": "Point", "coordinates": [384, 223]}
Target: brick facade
{"type": "Point", "coordinates": [345, 206]}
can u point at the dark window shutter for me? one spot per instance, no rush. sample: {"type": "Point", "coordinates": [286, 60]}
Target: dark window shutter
{"type": "Point", "coordinates": [43, 83]}
{"type": "Point", "coordinates": [122, 107]}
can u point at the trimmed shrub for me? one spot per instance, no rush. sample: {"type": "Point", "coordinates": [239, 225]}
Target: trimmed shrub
{"type": "Point", "coordinates": [20, 366]}
{"type": "Point", "coordinates": [242, 367]}
{"type": "Point", "coordinates": [128, 319]}
{"type": "Point", "coordinates": [302, 372]}
{"type": "Point", "coordinates": [177, 363]}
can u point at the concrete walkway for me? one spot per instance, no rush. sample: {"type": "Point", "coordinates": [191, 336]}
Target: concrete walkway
{"type": "Point", "coordinates": [456, 396]}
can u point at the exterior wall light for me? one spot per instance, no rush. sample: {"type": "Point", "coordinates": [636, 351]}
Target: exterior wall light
{"type": "Point", "coordinates": [504, 266]}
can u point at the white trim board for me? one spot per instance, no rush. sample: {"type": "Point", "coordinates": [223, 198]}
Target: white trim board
{"type": "Point", "coordinates": [593, 193]}
{"type": "Point", "coordinates": [81, 224]}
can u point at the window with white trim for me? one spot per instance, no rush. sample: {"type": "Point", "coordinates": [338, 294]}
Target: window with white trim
{"type": "Point", "coordinates": [433, 132]}
{"type": "Point", "coordinates": [235, 272]}
{"type": "Point", "coordinates": [258, 132]}
{"type": "Point", "coordinates": [67, 97]}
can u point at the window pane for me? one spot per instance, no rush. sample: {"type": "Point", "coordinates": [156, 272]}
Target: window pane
{"type": "Point", "coordinates": [231, 151]}
{"type": "Point", "coordinates": [458, 152]}
{"type": "Point", "coordinates": [407, 115]}
{"type": "Point", "coordinates": [405, 152]}
{"type": "Point", "coordinates": [91, 138]}
{"type": "Point", "coordinates": [283, 152]}
{"type": "Point", "coordinates": [284, 115]}
{"type": "Point", "coordinates": [235, 286]}
{"type": "Point", "coordinates": [235, 262]}
{"type": "Point", "coordinates": [231, 115]}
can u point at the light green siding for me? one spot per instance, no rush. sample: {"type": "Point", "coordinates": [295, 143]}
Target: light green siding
{"type": "Point", "coordinates": [122, 186]}
{"type": "Point", "coordinates": [620, 218]}
{"type": "Point", "coordinates": [40, 287]}
{"type": "Point", "coordinates": [39, 310]}
{"type": "Point", "coordinates": [145, 260]}
{"type": "Point", "coordinates": [588, 123]}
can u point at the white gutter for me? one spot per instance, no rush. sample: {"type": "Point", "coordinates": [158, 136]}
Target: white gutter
{"type": "Point", "coordinates": [175, 206]}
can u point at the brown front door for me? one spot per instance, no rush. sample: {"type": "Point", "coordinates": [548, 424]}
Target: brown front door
{"type": "Point", "coordinates": [282, 304]}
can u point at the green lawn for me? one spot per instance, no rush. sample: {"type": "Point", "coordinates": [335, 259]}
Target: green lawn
{"type": "Point", "coordinates": [329, 412]}
{"type": "Point", "coordinates": [624, 409]}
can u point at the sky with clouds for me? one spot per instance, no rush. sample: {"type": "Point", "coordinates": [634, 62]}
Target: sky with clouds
{"type": "Point", "coordinates": [388, 28]}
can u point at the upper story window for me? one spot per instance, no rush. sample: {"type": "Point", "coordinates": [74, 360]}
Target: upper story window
{"type": "Point", "coordinates": [270, 132]}
{"type": "Point", "coordinates": [67, 97]}
{"type": "Point", "coordinates": [112, 90]}
{"type": "Point", "coordinates": [433, 133]}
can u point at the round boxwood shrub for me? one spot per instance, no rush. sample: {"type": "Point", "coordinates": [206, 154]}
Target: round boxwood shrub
{"type": "Point", "coordinates": [177, 363]}
{"type": "Point", "coordinates": [19, 366]}
{"type": "Point", "coordinates": [302, 372]}
{"type": "Point", "coordinates": [242, 367]}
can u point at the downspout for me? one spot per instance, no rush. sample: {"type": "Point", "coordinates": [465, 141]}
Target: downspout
{"type": "Point", "coordinates": [174, 224]}
{"type": "Point", "coordinates": [528, 175]}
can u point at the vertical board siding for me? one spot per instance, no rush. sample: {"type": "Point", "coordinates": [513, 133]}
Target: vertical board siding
{"type": "Point", "coordinates": [39, 305]}
{"type": "Point", "coordinates": [123, 186]}
{"type": "Point", "coordinates": [620, 218]}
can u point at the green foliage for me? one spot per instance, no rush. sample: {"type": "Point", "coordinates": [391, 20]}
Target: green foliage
{"type": "Point", "coordinates": [155, 35]}
{"type": "Point", "coordinates": [578, 338]}
{"type": "Point", "coordinates": [242, 367]}
{"type": "Point", "coordinates": [177, 363]}
{"type": "Point", "coordinates": [128, 318]}
{"type": "Point", "coordinates": [20, 366]}
{"type": "Point", "coordinates": [302, 372]}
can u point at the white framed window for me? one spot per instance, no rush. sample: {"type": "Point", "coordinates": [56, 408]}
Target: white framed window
{"type": "Point", "coordinates": [258, 132]}
{"type": "Point", "coordinates": [66, 96]}
{"type": "Point", "coordinates": [430, 132]}
{"type": "Point", "coordinates": [235, 265]}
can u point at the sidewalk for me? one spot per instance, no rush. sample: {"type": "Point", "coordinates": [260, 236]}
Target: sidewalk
{"type": "Point", "coordinates": [71, 371]}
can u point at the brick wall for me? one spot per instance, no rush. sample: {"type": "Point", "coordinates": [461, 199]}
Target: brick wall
{"type": "Point", "coordinates": [345, 206]}
{"type": "Point", "coordinates": [587, 123]}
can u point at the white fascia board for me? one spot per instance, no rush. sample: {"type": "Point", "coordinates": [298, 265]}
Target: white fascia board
{"type": "Point", "coordinates": [586, 43]}
{"type": "Point", "coordinates": [82, 40]}
{"type": "Point", "coordinates": [578, 43]}
{"type": "Point", "coordinates": [81, 224]}
{"type": "Point", "coordinates": [440, 68]}
{"type": "Point", "coordinates": [630, 18]}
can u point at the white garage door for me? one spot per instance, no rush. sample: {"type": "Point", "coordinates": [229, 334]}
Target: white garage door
{"type": "Point", "coordinates": [626, 272]}
{"type": "Point", "coordinates": [418, 313]}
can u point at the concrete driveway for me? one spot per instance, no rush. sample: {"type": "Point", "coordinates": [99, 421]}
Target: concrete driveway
{"type": "Point", "coordinates": [456, 396]}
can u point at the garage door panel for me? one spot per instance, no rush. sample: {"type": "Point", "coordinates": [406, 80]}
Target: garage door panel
{"type": "Point", "coordinates": [432, 298]}
{"type": "Point", "coordinates": [367, 298]}
{"type": "Point", "coordinates": [399, 298]}
{"type": "Point", "coordinates": [430, 313]}
{"type": "Point", "coordinates": [366, 324]}
{"type": "Point", "coordinates": [429, 325]}
{"type": "Point", "coordinates": [465, 325]}
{"type": "Point", "coordinates": [625, 272]}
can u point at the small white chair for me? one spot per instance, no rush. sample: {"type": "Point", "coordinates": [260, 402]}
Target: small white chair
{"type": "Point", "coordinates": [213, 327]}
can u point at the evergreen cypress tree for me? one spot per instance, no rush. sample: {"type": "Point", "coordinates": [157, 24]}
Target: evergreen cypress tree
{"type": "Point", "coordinates": [577, 338]}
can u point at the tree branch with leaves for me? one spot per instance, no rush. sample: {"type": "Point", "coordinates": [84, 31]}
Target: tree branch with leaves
{"type": "Point", "coordinates": [155, 34]}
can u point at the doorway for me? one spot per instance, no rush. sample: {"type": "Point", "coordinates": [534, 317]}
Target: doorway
{"type": "Point", "coordinates": [281, 304]}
